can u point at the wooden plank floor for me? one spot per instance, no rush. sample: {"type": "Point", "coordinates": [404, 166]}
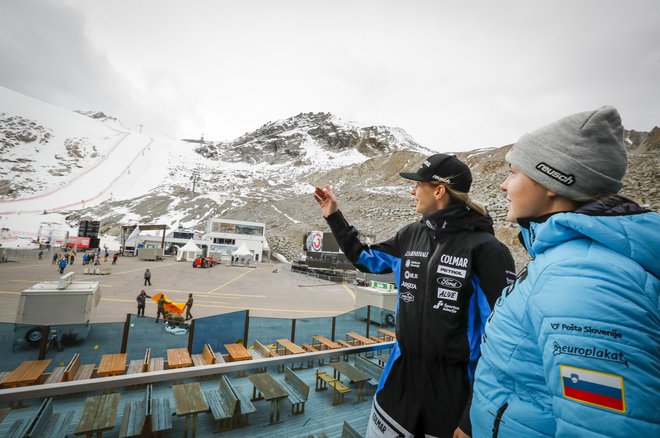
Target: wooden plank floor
{"type": "Point", "coordinates": [319, 416]}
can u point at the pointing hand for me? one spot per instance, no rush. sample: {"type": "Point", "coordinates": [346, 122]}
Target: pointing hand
{"type": "Point", "coordinates": [327, 200]}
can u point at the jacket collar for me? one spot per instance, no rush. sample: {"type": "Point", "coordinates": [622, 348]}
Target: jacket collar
{"type": "Point", "coordinates": [456, 218]}
{"type": "Point", "coordinates": [614, 205]}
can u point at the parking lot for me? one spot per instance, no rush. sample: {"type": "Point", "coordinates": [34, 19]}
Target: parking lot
{"type": "Point", "coordinates": [269, 290]}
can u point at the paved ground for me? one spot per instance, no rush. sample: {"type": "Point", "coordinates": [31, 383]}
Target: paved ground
{"type": "Point", "coordinates": [270, 290]}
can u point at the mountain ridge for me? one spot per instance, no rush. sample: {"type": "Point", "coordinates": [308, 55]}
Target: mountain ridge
{"type": "Point", "coordinates": [266, 175]}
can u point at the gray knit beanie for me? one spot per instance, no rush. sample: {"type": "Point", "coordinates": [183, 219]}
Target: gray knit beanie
{"type": "Point", "coordinates": [579, 156]}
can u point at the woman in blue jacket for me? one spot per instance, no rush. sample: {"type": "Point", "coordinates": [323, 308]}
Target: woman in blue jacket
{"type": "Point", "coordinates": [572, 348]}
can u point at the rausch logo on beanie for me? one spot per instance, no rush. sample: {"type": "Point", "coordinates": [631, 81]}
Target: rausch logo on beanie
{"type": "Point", "coordinates": [580, 156]}
{"type": "Point", "coordinates": [556, 174]}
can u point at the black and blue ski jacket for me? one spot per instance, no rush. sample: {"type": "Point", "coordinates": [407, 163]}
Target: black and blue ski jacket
{"type": "Point", "coordinates": [449, 269]}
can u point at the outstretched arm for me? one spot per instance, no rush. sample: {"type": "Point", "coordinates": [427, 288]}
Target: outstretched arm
{"type": "Point", "coordinates": [326, 200]}
{"type": "Point", "coordinates": [380, 258]}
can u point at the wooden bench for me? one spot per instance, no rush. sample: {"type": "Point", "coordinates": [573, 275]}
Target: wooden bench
{"type": "Point", "coordinates": [344, 344]}
{"type": "Point", "coordinates": [223, 403]}
{"type": "Point", "coordinates": [75, 371]}
{"type": "Point", "coordinates": [17, 429]}
{"type": "Point", "coordinates": [138, 366]}
{"type": "Point", "coordinates": [156, 364]}
{"type": "Point", "coordinates": [297, 389]}
{"type": "Point", "coordinates": [3, 413]}
{"type": "Point", "coordinates": [339, 389]}
{"type": "Point", "coordinates": [3, 375]}
{"type": "Point", "coordinates": [206, 358]}
{"type": "Point", "coordinates": [245, 406]}
{"type": "Point", "coordinates": [284, 347]}
{"type": "Point", "coordinates": [135, 366]}
{"type": "Point", "coordinates": [56, 376]}
{"type": "Point", "coordinates": [151, 415]}
{"type": "Point", "coordinates": [347, 431]}
{"type": "Point", "coordinates": [147, 359]}
{"type": "Point", "coordinates": [311, 349]}
{"type": "Point", "coordinates": [372, 369]}
{"type": "Point", "coordinates": [46, 424]}
{"type": "Point", "coordinates": [160, 416]}
{"type": "Point", "coordinates": [260, 351]}
{"type": "Point", "coordinates": [132, 420]}
{"type": "Point", "coordinates": [99, 414]}
{"type": "Point", "coordinates": [386, 335]}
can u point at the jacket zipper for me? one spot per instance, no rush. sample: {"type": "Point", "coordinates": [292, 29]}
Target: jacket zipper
{"type": "Point", "coordinates": [498, 419]}
{"type": "Point", "coordinates": [430, 272]}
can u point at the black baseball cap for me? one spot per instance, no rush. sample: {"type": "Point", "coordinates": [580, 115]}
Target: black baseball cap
{"type": "Point", "coordinates": [443, 168]}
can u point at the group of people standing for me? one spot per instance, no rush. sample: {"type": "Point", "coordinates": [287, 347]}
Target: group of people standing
{"type": "Point", "coordinates": [569, 346]}
{"type": "Point", "coordinates": [68, 258]}
{"type": "Point", "coordinates": [160, 305]}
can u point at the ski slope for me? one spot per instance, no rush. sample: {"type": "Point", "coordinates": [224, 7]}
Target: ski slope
{"type": "Point", "coordinates": [129, 164]}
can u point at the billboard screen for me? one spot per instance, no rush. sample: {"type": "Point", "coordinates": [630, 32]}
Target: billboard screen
{"type": "Point", "coordinates": [317, 241]}
{"type": "Point", "coordinates": [81, 242]}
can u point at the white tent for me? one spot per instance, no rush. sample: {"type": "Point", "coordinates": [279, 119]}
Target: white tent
{"type": "Point", "coordinates": [242, 252]}
{"type": "Point", "coordinates": [131, 240]}
{"type": "Point", "coordinates": [243, 256]}
{"type": "Point", "coordinates": [188, 252]}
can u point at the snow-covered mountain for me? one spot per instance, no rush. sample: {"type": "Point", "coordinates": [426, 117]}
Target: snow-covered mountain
{"type": "Point", "coordinates": [60, 162]}
{"type": "Point", "coordinates": [311, 142]}
{"type": "Point", "coordinates": [58, 165]}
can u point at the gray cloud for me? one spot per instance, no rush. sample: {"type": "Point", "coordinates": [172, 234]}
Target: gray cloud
{"type": "Point", "coordinates": [455, 75]}
{"type": "Point", "coordinates": [47, 56]}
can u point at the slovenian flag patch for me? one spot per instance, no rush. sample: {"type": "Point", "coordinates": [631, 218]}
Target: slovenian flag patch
{"type": "Point", "coordinates": [593, 387]}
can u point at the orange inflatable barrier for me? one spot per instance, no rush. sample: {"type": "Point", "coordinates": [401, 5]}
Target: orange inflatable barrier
{"type": "Point", "coordinates": [172, 307]}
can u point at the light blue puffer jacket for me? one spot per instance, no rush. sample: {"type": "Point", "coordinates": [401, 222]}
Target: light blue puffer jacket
{"type": "Point", "coordinates": [572, 348]}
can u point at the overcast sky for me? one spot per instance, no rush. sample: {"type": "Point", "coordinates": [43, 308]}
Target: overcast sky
{"type": "Point", "coordinates": [455, 75]}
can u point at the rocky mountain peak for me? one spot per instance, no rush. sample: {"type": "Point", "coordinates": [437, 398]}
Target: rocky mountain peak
{"type": "Point", "coordinates": [300, 138]}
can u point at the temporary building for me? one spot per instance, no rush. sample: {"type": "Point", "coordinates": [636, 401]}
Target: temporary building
{"type": "Point", "coordinates": [188, 252]}
{"type": "Point", "coordinates": [131, 240]}
{"type": "Point", "coordinates": [242, 252]}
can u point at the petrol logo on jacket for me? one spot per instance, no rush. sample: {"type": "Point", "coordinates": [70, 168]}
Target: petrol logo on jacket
{"type": "Point", "coordinates": [449, 270]}
{"type": "Point", "coordinates": [451, 264]}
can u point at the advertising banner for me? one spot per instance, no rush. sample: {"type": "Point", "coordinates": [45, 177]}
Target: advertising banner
{"type": "Point", "coordinates": [81, 242]}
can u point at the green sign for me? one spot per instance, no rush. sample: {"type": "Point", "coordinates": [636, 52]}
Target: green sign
{"type": "Point", "coordinates": [381, 285]}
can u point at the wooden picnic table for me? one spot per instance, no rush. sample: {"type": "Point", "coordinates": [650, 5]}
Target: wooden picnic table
{"type": "Point", "coordinates": [269, 389]}
{"type": "Point", "coordinates": [27, 373]}
{"type": "Point", "coordinates": [190, 401]}
{"type": "Point", "coordinates": [355, 375]}
{"type": "Point", "coordinates": [359, 338]}
{"type": "Point", "coordinates": [387, 334]}
{"type": "Point", "coordinates": [288, 347]}
{"type": "Point", "coordinates": [99, 414]}
{"type": "Point", "coordinates": [237, 352]}
{"type": "Point", "coordinates": [322, 341]}
{"type": "Point", "coordinates": [179, 358]}
{"type": "Point", "coordinates": [112, 365]}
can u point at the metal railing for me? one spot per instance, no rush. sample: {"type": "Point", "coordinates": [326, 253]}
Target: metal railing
{"type": "Point", "coordinates": [104, 383]}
